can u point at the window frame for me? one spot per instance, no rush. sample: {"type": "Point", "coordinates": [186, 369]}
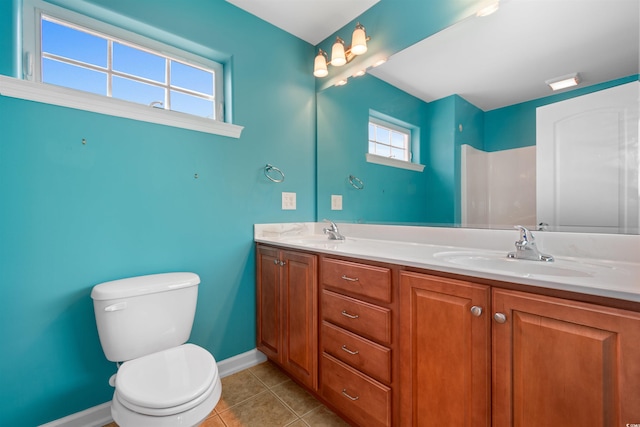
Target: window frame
{"type": "Point", "coordinates": [60, 95]}
{"type": "Point", "coordinates": [413, 136]}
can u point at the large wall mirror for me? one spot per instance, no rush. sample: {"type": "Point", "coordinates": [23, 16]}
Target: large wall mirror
{"type": "Point", "coordinates": [490, 144]}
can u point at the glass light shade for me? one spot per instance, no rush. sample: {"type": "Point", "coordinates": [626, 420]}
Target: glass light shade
{"type": "Point", "coordinates": [320, 65]}
{"type": "Point", "coordinates": [337, 54]}
{"type": "Point", "coordinates": [359, 41]}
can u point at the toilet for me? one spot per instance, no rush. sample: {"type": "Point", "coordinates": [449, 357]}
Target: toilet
{"type": "Point", "coordinates": [143, 324]}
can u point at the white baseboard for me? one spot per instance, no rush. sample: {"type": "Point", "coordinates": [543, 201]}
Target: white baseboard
{"type": "Point", "coordinates": [100, 415]}
{"type": "Point", "coordinates": [92, 417]}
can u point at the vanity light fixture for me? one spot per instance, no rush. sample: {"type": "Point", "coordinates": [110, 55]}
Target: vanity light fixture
{"type": "Point", "coordinates": [341, 55]}
{"type": "Point", "coordinates": [564, 82]}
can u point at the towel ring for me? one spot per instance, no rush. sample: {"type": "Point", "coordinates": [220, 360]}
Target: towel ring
{"type": "Point", "coordinates": [356, 182]}
{"type": "Point", "coordinates": [268, 168]}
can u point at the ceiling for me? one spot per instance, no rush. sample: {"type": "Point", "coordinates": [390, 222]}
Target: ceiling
{"type": "Point", "coordinates": [492, 61]}
{"type": "Point", "coordinates": [309, 20]}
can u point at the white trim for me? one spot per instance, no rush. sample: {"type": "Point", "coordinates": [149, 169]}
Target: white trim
{"type": "Point", "coordinates": [388, 161]}
{"type": "Point", "coordinates": [240, 362]}
{"type": "Point", "coordinates": [71, 98]}
{"type": "Point", "coordinates": [100, 415]}
{"type": "Point", "coordinates": [97, 416]}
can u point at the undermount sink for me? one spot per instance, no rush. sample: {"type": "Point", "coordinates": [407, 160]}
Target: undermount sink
{"type": "Point", "coordinates": [314, 240]}
{"type": "Point", "coordinates": [499, 262]}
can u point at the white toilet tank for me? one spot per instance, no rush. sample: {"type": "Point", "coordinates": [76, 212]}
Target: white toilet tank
{"type": "Point", "coordinates": [146, 314]}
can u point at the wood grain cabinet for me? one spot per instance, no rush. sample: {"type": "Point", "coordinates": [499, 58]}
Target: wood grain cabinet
{"type": "Point", "coordinates": [287, 301]}
{"type": "Point", "coordinates": [558, 362]}
{"type": "Point", "coordinates": [474, 355]}
{"type": "Point", "coordinates": [356, 341]}
{"type": "Point", "coordinates": [445, 348]}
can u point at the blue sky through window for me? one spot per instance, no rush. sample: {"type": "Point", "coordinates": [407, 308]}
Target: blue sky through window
{"type": "Point", "coordinates": [78, 59]}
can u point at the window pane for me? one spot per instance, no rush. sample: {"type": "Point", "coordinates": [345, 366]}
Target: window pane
{"type": "Point", "coordinates": [191, 105]}
{"type": "Point", "coordinates": [399, 154]}
{"type": "Point", "coordinates": [382, 135]}
{"type": "Point", "coordinates": [74, 44]}
{"type": "Point", "coordinates": [134, 91]}
{"type": "Point", "coordinates": [383, 150]}
{"type": "Point", "coordinates": [63, 74]}
{"type": "Point", "coordinates": [139, 63]}
{"type": "Point", "coordinates": [372, 147]}
{"type": "Point", "coordinates": [372, 132]}
{"type": "Point", "coordinates": [397, 140]}
{"type": "Point", "coordinates": [188, 77]}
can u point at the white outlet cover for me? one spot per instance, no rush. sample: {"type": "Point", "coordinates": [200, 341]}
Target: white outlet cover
{"type": "Point", "coordinates": [288, 201]}
{"type": "Point", "coordinates": [336, 202]}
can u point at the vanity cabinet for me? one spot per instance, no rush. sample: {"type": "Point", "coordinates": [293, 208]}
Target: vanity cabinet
{"type": "Point", "coordinates": [287, 301]}
{"type": "Point", "coordinates": [356, 340]}
{"type": "Point", "coordinates": [475, 355]}
{"type": "Point", "coordinates": [445, 344]}
{"type": "Point", "coordinates": [559, 362]}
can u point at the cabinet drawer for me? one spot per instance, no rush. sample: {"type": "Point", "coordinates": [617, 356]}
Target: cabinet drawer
{"type": "Point", "coordinates": [364, 355]}
{"type": "Point", "coordinates": [358, 279]}
{"type": "Point", "coordinates": [357, 316]}
{"type": "Point", "coordinates": [364, 400]}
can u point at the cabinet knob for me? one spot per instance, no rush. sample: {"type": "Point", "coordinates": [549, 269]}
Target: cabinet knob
{"type": "Point", "coordinates": [283, 263]}
{"type": "Point", "coordinates": [476, 311]}
{"type": "Point", "coordinates": [276, 261]}
{"type": "Point", "coordinates": [500, 317]}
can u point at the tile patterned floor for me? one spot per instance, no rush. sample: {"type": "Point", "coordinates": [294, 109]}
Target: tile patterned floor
{"type": "Point", "coordinates": [262, 396]}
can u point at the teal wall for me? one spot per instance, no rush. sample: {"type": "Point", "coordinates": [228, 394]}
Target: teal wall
{"type": "Point", "coordinates": [390, 194]}
{"type": "Point", "coordinates": [128, 203]}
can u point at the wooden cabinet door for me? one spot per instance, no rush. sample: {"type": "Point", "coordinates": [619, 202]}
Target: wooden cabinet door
{"type": "Point", "coordinates": [445, 351]}
{"type": "Point", "coordinates": [564, 363]}
{"type": "Point", "coordinates": [268, 304]}
{"type": "Point", "coordinates": [299, 310]}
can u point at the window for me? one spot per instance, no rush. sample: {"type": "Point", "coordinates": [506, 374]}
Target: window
{"type": "Point", "coordinates": [392, 142]}
{"type": "Point", "coordinates": [388, 140]}
{"type": "Point", "coordinates": [99, 67]}
{"type": "Point", "coordinates": [86, 60]}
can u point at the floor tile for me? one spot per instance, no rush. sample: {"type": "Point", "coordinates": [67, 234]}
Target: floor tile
{"type": "Point", "coordinates": [324, 417]}
{"type": "Point", "coordinates": [268, 374]}
{"type": "Point", "coordinates": [237, 388]}
{"type": "Point", "coordinates": [296, 397]}
{"type": "Point", "coordinates": [263, 410]}
{"type": "Point", "coordinates": [214, 421]}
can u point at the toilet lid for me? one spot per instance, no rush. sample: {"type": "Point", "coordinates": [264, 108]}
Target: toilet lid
{"type": "Point", "coordinates": [167, 378]}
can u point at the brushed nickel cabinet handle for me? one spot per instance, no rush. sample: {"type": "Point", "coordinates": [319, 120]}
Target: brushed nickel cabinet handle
{"type": "Point", "coordinates": [476, 311]}
{"type": "Point", "coordinates": [349, 279]}
{"type": "Point", "coordinates": [344, 348]}
{"type": "Point", "coordinates": [350, 316]}
{"type": "Point", "coordinates": [344, 391]}
{"type": "Point", "coordinates": [500, 317]}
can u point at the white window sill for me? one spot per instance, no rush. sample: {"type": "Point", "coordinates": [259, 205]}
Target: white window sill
{"type": "Point", "coordinates": [387, 161]}
{"type": "Point", "coordinates": [71, 98]}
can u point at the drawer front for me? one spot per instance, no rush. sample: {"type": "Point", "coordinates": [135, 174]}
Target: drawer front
{"type": "Point", "coordinates": [364, 400]}
{"type": "Point", "coordinates": [358, 279]}
{"type": "Point", "coordinates": [357, 316]}
{"type": "Point", "coordinates": [364, 355]}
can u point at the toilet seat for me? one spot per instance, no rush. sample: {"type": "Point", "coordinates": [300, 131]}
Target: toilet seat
{"type": "Point", "coordinates": [167, 382]}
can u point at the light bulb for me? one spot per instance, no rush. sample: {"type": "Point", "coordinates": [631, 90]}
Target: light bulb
{"type": "Point", "coordinates": [359, 40]}
{"type": "Point", "coordinates": [338, 58]}
{"type": "Point", "coordinates": [320, 65]}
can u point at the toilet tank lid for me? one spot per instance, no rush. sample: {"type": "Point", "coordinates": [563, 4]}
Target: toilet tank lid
{"type": "Point", "coordinates": [142, 285]}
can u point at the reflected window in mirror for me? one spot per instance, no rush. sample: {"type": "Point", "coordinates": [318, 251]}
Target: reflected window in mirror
{"type": "Point", "coordinates": [393, 142]}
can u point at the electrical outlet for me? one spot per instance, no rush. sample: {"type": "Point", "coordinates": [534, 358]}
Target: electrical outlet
{"type": "Point", "coordinates": [288, 201]}
{"type": "Point", "coordinates": [336, 202]}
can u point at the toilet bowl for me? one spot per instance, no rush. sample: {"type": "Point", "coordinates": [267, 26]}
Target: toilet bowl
{"type": "Point", "coordinates": [175, 387]}
{"type": "Point", "coordinates": [143, 324]}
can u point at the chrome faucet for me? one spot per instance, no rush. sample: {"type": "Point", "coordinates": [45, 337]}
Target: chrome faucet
{"type": "Point", "coordinates": [526, 247]}
{"type": "Point", "coordinates": [332, 231]}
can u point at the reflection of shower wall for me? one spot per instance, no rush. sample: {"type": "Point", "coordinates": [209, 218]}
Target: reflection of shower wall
{"type": "Point", "coordinates": [498, 188]}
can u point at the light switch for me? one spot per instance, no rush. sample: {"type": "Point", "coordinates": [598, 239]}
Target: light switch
{"type": "Point", "coordinates": [288, 201]}
{"type": "Point", "coordinates": [336, 202]}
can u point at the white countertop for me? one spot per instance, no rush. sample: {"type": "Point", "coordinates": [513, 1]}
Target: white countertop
{"type": "Point", "coordinates": [596, 264]}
